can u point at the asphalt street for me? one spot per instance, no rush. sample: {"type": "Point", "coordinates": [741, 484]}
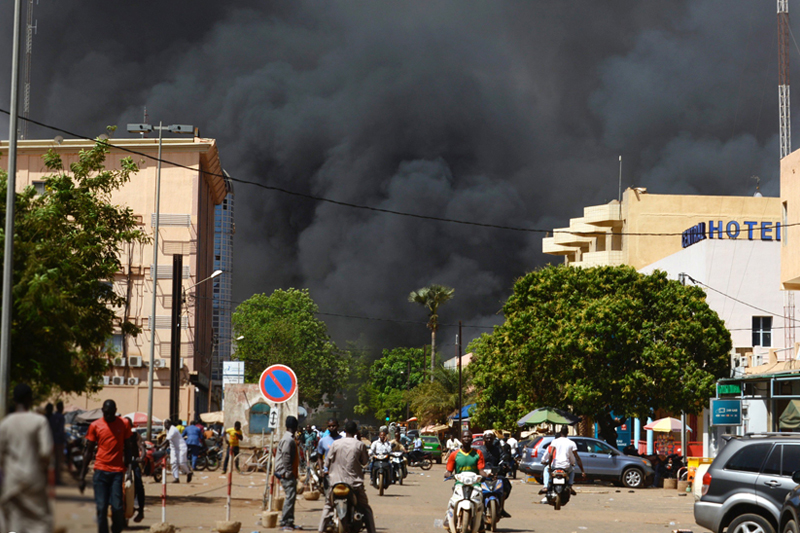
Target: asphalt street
{"type": "Point", "coordinates": [418, 506]}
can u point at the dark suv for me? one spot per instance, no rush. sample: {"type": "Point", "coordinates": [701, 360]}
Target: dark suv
{"type": "Point", "coordinates": [790, 513]}
{"type": "Point", "coordinates": [747, 483]}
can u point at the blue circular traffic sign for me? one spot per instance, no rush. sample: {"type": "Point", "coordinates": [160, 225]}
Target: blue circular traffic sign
{"type": "Point", "coordinates": [278, 383]}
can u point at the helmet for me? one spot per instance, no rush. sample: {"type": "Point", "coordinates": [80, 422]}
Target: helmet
{"type": "Point", "coordinates": [488, 433]}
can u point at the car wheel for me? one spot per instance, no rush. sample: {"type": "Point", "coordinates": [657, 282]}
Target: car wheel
{"type": "Point", "coordinates": [750, 523]}
{"type": "Point", "coordinates": [790, 527]}
{"type": "Point", "coordinates": [633, 478]}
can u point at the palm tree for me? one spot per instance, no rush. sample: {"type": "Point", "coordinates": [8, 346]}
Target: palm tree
{"type": "Point", "coordinates": [432, 297]}
{"type": "Point", "coordinates": [433, 402]}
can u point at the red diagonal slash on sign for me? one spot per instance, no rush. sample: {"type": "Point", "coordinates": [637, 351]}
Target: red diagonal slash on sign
{"type": "Point", "coordinates": [276, 380]}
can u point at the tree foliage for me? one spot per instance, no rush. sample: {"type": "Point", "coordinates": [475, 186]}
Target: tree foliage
{"type": "Point", "coordinates": [66, 245]}
{"type": "Point", "coordinates": [432, 297]}
{"type": "Point", "coordinates": [599, 340]}
{"type": "Point", "coordinates": [283, 328]}
{"type": "Point", "coordinates": [387, 390]}
{"type": "Point", "coordinates": [433, 401]}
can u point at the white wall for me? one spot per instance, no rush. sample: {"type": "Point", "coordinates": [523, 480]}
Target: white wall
{"type": "Point", "coordinates": [749, 271]}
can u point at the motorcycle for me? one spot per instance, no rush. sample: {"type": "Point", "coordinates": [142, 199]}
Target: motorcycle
{"type": "Point", "coordinates": [210, 458]}
{"type": "Point", "coordinates": [153, 461]}
{"type": "Point", "coordinates": [315, 482]}
{"type": "Point", "coordinates": [74, 451]}
{"type": "Point", "coordinates": [465, 511]}
{"type": "Point", "coordinates": [492, 490]}
{"type": "Point", "coordinates": [558, 493]}
{"type": "Point", "coordinates": [424, 460]}
{"type": "Point", "coordinates": [347, 518]}
{"type": "Point", "coordinates": [382, 470]}
{"type": "Point", "coordinates": [399, 466]}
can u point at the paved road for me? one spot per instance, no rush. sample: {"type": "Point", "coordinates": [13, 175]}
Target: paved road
{"type": "Point", "coordinates": [413, 507]}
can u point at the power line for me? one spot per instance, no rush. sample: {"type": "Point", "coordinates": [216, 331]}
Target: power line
{"type": "Point", "coordinates": [350, 204]}
{"type": "Point", "coordinates": [358, 317]}
{"type": "Point", "coordinates": [697, 282]}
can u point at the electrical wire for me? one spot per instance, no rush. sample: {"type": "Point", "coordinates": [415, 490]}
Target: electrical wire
{"type": "Point", "coordinates": [350, 204]}
{"type": "Point", "coordinates": [697, 282]}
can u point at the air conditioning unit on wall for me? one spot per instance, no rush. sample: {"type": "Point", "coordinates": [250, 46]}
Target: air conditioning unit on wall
{"type": "Point", "coordinates": [117, 380]}
{"type": "Point", "coordinates": [119, 361]}
{"type": "Point", "coordinates": [133, 381]}
{"type": "Point", "coordinates": [160, 363]}
{"type": "Point", "coordinates": [135, 361]}
{"type": "Point", "coordinates": [106, 380]}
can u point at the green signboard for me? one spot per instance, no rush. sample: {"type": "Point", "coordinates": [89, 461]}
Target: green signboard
{"type": "Point", "coordinates": [730, 388]}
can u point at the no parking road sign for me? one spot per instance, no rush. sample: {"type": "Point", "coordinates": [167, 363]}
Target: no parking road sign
{"type": "Point", "coordinates": [278, 383]}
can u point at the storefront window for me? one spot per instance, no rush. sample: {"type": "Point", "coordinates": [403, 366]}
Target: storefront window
{"type": "Point", "coordinates": [762, 331]}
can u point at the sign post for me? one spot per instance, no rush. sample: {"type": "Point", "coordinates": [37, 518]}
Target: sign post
{"type": "Point", "coordinates": [277, 384]}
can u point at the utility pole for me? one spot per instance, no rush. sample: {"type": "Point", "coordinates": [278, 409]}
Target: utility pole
{"type": "Point", "coordinates": [26, 97]}
{"type": "Point", "coordinates": [460, 401]}
{"type": "Point", "coordinates": [175, 338]}
{"type": "Point", "coordinates": [784, 111]}
{"type": "Point", "coordinates": [8, 246]}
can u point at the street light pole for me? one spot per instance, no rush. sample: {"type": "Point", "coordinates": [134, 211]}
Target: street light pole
{"type": "Point", "coordinates": [144, 128]}
{"type": "Point", "coordinates": [8, 248]}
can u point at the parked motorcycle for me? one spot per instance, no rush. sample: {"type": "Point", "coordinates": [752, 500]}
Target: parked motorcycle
{"type": "Point", "coordinates": [347, 518]}
{"type": "Point", "coordinates": [210, 458]}
{"type": "Point", "coordinates": [153, 461]}
{"type": "Point", "coordinates": [424, 460]}
{"type": "Point", "coordinates": [492, 490]}
{"type": "Point", "coordinates": [558, 493]}
{"type": "Point", "coordinates": [382, 472]}
{"type": "Point", "coordinates": [399, 466]}
{"type": "Point", "coordinates": [74, 451]}
{"type": "Point", "coordinates": [465, 511]}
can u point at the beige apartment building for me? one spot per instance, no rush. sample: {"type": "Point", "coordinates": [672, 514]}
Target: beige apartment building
{"type": "Point", "coordinates": [790, 209]}
{"type": "Point", "coordinates": [648, 227]}
{"type": "Point", "coordinates": [188, 197]}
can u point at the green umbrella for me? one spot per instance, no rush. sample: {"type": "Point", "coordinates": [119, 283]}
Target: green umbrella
{"type": "Point", "coordinates": [548, 415]}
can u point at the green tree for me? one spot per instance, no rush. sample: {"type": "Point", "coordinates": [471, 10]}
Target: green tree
{"type": "Point", "coordinates": [599, 340]}
{"type": "Point", "coordinates": [432, 297]}
{"type": "Point", "coordinates": [390, 379]}
{"type": "Point", "coordinates": [433, 401]}
{"type": "Point", "coordinates": [66, 246]}
{"type": "Point", "coordinates": [283, 328]}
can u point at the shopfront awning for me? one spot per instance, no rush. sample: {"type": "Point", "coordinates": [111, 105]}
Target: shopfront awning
{"type": "Point", "coordinates": [790, 418]}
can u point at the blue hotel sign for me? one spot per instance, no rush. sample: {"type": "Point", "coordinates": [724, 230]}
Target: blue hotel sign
{"type": "Point", "coordinates": [726, 412]}
{"type": "Point", "coordinates": [766, 231]}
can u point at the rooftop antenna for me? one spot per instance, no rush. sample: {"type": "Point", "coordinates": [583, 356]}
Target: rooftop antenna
{"type": "Point", "coordinates": [619, 196]}
{"type": "Point", "coordinates": [31, 28]}
{"type": "Point", "coordinates": [144, 133]}
{"type": "Point", "coordinates": [783, 78]}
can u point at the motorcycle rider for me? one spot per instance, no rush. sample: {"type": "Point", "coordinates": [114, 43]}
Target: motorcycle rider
{"type": "Point", "coordinates": [397, 443]}
{"type": "Point", "coordinates": [416, 454]}
{"type": "Point", "coordinates": [380, 446]}
{"type": "Point", "coordinates": [344, 463]}
{"type": "Point", "coordinates": [562, 453]}
{"type": "Point", "coordinates": [495, 457]}
{"type": "Point", "coordinates": [465, 459]}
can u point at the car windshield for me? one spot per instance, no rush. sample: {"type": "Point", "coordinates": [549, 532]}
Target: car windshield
{"type": "Point", "coordinates": [430, 440]}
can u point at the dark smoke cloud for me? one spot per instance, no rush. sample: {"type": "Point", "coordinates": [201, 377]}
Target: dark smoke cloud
{"type": "Point", "coordinates": [507, 113]}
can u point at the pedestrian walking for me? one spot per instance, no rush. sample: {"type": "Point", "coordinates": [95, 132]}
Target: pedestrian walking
{"type": "Point", "coordinates": [287, 461]}
{"type": "Point", "coordinates": [26, 451]}
{"type": "Point", "coordinates": [232, 437]}
{"type": "Point", "coordinates": [139, 452]}
{"type": "Point", "coordinates": [112, 438]}
{"type": "Point", "coordinates": [194, 441]}
{"type": "Point", "coordinates": [59, 438]}
{"type": "Point", "coordinates": [178, 451]}
{"type": "Point", "coordinates": [344, 463]}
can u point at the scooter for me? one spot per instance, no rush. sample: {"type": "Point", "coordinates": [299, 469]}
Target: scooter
{"type": "Point", "coordinates": [492, 489]}
{"type": "Point", "coordinates": [465, 511]}
{"type": "Point", "coordinates": [347, 518]}
{"type": "Point", "coordinates": [209, 458]}
{"type": "Point", "coordinates": [399, 466]}
{"type": "Point", "coordinates": [153, 460]}
{"type": "Point", "coordinates": [382, 469]}
{"type": "Point", "coordinates": [558, 493]}
{"type": "Point", "coordinates": [420, 459]}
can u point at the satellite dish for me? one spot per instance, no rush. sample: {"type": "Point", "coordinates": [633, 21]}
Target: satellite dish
{"type": "Point", "coordinates": [58, 139]}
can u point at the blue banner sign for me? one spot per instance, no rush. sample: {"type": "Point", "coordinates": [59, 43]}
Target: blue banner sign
{"type": "Point", "coordinates": [726, 412]}
{"type": "Point", "coordinates": [766, 231]}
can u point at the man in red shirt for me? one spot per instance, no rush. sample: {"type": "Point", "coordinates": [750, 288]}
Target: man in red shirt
{"type": "Point", "coordinates": [112, 438]}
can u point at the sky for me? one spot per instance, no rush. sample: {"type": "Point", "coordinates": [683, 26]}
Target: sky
{"type": "Point", "coordinates": [506, 113]}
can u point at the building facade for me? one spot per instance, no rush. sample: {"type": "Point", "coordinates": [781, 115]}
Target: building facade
{"type": "Point", "coordinates": [189, 194]}
{"type": "Point", "coordinates": [648, 227]}
{"type": "Point", "coordinates": [224, 228]}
